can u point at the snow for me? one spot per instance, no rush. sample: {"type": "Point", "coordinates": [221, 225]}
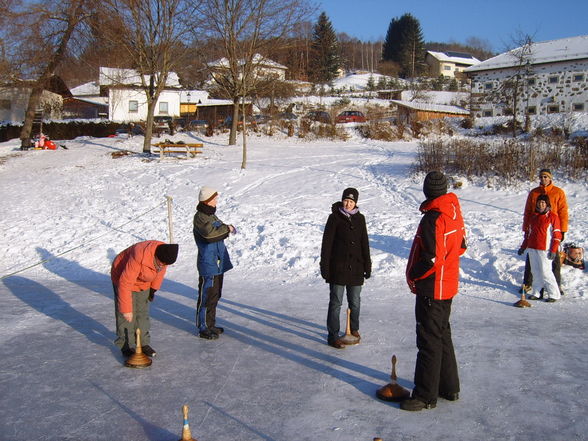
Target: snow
{"type": "Point", "coordinates": [271, 376]}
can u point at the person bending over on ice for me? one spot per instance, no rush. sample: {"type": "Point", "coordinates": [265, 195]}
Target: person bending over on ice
{"type": "Point", "coordinates": [541, 241]}
{"type": "Point", "coordinates": [432, 274]}
{"type": "Point", "coordinates": [213, 261]}
{"type": "Point", "coordinates": [345, 262]}
{"type": "Point", "coordinates": [137, 273]}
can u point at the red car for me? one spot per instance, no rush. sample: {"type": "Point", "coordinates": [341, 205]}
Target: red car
{"type": "Point", "coordinates": [351, 116]}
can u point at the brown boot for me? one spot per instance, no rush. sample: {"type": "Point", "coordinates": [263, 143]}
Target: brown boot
{"type": "Point", "coordinates": [337, 344]}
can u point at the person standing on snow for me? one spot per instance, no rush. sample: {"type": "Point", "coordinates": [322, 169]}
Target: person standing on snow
{"type": "Point", "coordinates": [213, 261]}
{"type": "Point", "coordinates": [432, 274]}
{"type": "Point", "coordinates": [559, 206]}
{"type": "Point", "coordinates": [137, 273]}
{"type": "Point", "coordinates": [345, 262]}
{"type": "Point", "coordinates": [542, 241]}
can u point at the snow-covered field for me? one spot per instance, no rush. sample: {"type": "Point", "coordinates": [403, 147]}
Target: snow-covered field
{"type": "Point", "coordinates": [271, 376]}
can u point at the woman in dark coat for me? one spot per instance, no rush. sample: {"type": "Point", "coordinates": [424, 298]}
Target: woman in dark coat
{"type": "Point", "coordinates": [345, 262]}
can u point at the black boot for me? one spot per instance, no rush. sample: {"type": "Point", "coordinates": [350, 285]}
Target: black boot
{"type": "Point", "coordinates": [414, 405]}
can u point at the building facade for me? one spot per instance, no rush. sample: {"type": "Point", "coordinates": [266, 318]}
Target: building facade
{"type": "Point", "coordinates": [541, 78]}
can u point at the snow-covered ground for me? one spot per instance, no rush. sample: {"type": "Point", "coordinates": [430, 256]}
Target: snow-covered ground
{"type": "Point", "coordinates": [271, 376]}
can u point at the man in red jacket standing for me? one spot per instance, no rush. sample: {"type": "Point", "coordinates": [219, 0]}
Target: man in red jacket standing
{"type": "Point", "coordinates": [432, 274]}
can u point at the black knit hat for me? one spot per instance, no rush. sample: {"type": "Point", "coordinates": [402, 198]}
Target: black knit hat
{"type": "Point", "coordinates": [435, 185]}
{"type": "Point", "coordinates": [167, 253]}
{"type": "Point", "coordinates": [544, 197]}
{"type": "Point", "coordinates": [350, 193]}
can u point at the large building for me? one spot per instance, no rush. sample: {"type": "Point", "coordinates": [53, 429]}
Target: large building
{"type": "Point", "coordinates": [449, 64]}
{"type": "Point", "coordinates": [539, 78]}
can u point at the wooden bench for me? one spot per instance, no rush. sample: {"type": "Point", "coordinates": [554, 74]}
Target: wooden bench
{"type": "Point", "coordinates": [189, 149]}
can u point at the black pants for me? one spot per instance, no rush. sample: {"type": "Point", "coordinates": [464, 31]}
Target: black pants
{"type": "Point", "coordinates": [436, 366]}
{"type": "Point", "coordinates": [210, 290]}
{"type": "Point", "coordinates": [555, 267]}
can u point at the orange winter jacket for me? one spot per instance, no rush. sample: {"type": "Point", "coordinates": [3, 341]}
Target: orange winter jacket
{"type": "Point", "coordinates": [133, 270]}
{"type": "Point", "coordinates": [557, 200]}
{"type": "Point", "coordinates": [433, 264]}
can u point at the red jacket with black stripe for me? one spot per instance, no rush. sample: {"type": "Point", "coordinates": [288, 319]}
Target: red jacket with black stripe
{"type": "Point", "coordinates": [543, 232]}
{"type": "Point", "coordinates": [433, 264]}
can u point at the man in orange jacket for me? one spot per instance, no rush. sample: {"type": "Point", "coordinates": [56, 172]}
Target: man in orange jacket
{"type": "Point", "coordinates": [137, 273]}
{"type": "Point", "coordinates": [559, 206]}
{"type": "Point", "coordinates": [432, 273]}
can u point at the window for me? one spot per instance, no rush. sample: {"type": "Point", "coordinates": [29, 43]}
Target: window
{"type": "Point", "coordinates": [487, 112]}
{"type": "Point", "coordinates": [531, 110]}
{"type": "Point", "coordinates": [488, 86]}
{"type": "Point", "coordinates": [163, 108]}
{"type": "Point", "coordinates": [578, 107]}
{"type": "Point", "coordinates": [554, 79]}
{"type": "Point", "coordinates": [133, 106]}
{"type": "Point", "coordinates": [578, 77]}
{"type": "Point", "coordinates": [531, 82]}
{"type": "Point", "coordinates": [552, 109]}
{"type": "Point", "coordinates": [446, 67]}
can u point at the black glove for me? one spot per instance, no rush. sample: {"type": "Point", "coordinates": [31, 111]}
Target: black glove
{"type": "Point", "coordinates": [151, 294]}
{"type": "Point", "coordinates": [551, 255]}
{"type": "Point", "coordinates": [367, 274]}
{"type": "Point", "coordinates": [521, 251]}
{"type": "Point", "coordinates": [563, 235]}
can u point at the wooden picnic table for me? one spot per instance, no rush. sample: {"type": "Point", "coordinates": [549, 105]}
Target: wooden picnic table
{"type": "Point", "coordinates": [190, 149]}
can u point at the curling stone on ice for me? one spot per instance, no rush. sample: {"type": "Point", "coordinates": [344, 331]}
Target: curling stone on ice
{"type": "Point", "coordinates": [523, 303]}
{"type": "Point", "coordinates": [186, 435]}
{"type": "Point", "coordinates": [138, 359]}
{"type": "Point", "coordinates": [393, 391]}
{"type": "Point", "coordinates": [349, 338]}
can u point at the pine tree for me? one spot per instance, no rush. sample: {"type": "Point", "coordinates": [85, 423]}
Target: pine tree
{"type": "Point", "coordinates": [325, 60]}
{"type": "Point", "coordinates": [404, 45]}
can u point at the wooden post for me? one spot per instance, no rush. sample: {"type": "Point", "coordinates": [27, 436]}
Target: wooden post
{"type": "Point", "coordinates": [170, 225]}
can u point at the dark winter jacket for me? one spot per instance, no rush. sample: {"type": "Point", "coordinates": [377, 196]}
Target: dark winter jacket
{"type": "Point", "coordinates": [210, 233]}
{"type": "Point", "coordinates": [433, 264]}
{"type": "Point", "coordinates": [345, 251]}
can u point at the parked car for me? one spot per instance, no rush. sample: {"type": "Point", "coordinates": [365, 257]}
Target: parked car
{"type": "Point", "coordinates": [288, 116]}
{"type": "Point", "coordinates": [351, 116]}
{"type": "Point", "coordinates": [318, 115]}
{"type": "Point", "coordinates": [161, 124]}
{"type": "Point", "coordinates": [261, 118]}
{"type": "Point", "coordinates": [228, 122]}
{"type": "Point", "coordinates": [197, 124]}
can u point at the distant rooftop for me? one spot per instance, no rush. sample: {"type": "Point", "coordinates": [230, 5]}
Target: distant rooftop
{"type": "Point", "coordinates": [565, 49]}
{"type": "Point", "coordinates": [454, 57]}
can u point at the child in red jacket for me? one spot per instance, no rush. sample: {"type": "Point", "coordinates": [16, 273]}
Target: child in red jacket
{"type": "Point", "coordinates": [542, 243]}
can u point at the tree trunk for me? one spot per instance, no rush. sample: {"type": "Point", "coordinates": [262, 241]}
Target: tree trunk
{"type": "Point", "coordinates": [233, 133]}
{"type": "Point", "coordinates": [244, 161]}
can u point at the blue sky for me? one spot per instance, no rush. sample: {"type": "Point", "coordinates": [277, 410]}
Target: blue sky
{"type": "Point", "coordinates": [496, 21]}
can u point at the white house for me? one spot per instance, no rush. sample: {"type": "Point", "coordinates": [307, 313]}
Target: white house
{"type": "Point", "coordinates": [546, 77]}
{"type": "Point", "coordinates": [449, 63]}
{"type": "Point", "coordinates": [127, 100]}
{"type": "Point", "coordinates": [262, 67]}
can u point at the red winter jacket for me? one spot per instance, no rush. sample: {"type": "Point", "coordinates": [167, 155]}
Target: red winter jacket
{"type": "Point", "coordinates": [543, 232]}
{"type": "Point", "coordinates": [133, 270]}
{"type": "Point", "coordinates": [433, 264]}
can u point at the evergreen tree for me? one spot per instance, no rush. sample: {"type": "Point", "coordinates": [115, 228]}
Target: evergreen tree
{"type": "Point", "coordinates": [404, 45]}
{"type": "Point", "coordinates": [325, 60]}
{"type": "Point", "coordinates": [371, 84]}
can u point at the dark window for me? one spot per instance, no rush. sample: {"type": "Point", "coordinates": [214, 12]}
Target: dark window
{"type": "Point", "coordinates": [578, 107]}
{"type": "Point", "coordinates": [552, 109]}
{"type": "Point", "coordinates": [488, 86]}
{"type": "Point", "coordinates": [531, 110]}
{"type": "Point", "coordinates": [578, 77]}
{"type": "Point", "coordinates": [553, 79]}
{"type": "Point", "coordinates": [531, 81]}
{"type": "Point", "coordinates": [487, 112]}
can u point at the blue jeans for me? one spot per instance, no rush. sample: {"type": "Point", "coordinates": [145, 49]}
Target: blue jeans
{"type": "Point", "coordinates": [335, 301]}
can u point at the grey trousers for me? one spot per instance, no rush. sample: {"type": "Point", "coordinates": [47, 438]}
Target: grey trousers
{"type": "Point", "coordinates": [125, 331]}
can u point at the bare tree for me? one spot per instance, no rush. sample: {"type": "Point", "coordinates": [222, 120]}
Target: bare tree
{"type": "Point", "coordinates": [153, 41]}
{"type": "Point", "coordinates": [246, 28]}
{"type": "Point", "coordinates": [36, 37]}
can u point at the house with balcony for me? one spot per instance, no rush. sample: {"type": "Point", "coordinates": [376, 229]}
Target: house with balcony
{"type": "Point", "coordinates": [449, 64]}
{"type": "Point", "coordinates": [536, 79]}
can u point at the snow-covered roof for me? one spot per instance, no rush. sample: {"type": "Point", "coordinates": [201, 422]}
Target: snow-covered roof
{"type": "Point", "coordinates": [98, 100]}
{"type": "Point", "coordinates": [454, 57]}
{"type": "Point", "coordinates": [429, 107]}
{"type": "Point", "coordinates": [215, 102]}
{"type": "Point", "coordinates": [193, 96]}
{"type": "Point", "coordinates": [111, 76]}
{"type": "Point", "coordinates": [86, 89]}
{"type": "Point", "coordinates": [572, 48]}
{"type": "Point", "coordinates": [258, 60]}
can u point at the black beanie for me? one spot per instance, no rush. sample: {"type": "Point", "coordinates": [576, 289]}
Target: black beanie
{"type": "Point", "coordinates": [544, 197]}
{"type": "Point", "coordinates": [167, 253]}
{"type": "Point", "coordinates": [435, 185]}
{"type": "Point", "coordinates": [350, 193]}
